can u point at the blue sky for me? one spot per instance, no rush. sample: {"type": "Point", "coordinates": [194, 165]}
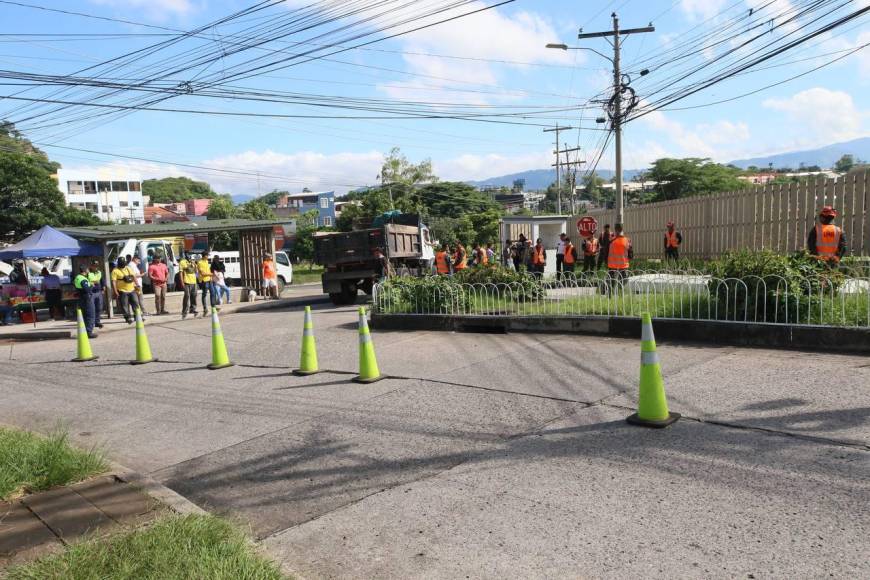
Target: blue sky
{"type": "Point", "coordinates": [491, 59]}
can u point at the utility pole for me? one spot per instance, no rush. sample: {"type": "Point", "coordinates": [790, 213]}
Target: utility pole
{"type": "Point", "coordinates": [616, 102]}
{"type": "Point", "coordinates": [557, 128]}
{"type": "Point", "coordinates": [568, 164]}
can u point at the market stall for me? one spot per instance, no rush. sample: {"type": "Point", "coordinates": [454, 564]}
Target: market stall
{"type": "Point", "coordinates": [24, 294]}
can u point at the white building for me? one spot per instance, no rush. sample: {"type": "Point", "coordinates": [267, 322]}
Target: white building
{"type": "Point", "coordinates": [114, 197]}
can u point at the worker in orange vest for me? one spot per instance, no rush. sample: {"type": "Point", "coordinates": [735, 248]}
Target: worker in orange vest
{"type": "Point", "coordinates": [569, 258]}
{"type": "Point", "coordinates": [826, 240]}
{"type": "Point", "coordinates": [591, 245]}
{"type": "Point", "coordinates": [673, 241]}
{"type": "Point", "coordinates": [619, 257]}
{"type": "Point", "coordinates": [539, 258]}
{"type": "Point", "coordinates": [460, 258]}
{"type": "Point", "coordinates": [442, 261]}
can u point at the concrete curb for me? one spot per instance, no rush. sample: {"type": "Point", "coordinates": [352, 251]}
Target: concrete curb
{"type": "Point", "coordinates": [158, 491]}
{"type": "Point", "coordinates": [766, 335]}
{"type": "Point", "coordinates": [156, 320]}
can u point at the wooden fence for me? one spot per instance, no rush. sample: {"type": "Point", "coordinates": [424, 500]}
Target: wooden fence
{"type": "Point", "coordinates": [774, 217]}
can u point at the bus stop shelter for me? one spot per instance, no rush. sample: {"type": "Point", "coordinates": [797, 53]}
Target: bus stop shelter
{"type": "Point", "coordinates": [256, 238]}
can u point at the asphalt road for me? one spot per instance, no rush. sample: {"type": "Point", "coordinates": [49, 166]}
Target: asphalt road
{"type": "Point", "coordinates": [484, 455]}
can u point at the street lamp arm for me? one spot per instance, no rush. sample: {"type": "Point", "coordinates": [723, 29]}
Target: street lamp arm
{"type": "Point", "coordinates": [566, 47]}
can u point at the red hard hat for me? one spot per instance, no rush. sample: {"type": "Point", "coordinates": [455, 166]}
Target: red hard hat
{"type": "Point", "coordinates": [828, 211]}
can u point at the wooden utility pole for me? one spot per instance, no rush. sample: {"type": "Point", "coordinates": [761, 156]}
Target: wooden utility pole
{"type": "Point", "coordinates": [557, 128]}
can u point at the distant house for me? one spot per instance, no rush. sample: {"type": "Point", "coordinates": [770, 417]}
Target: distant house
{"type": "Point", "coordinates": [196, 206]}
{"type": "Point", "coordinates": [300, 203]}
{"type": "Point", "coordinates": [159, 215]}
{"type": "Point", "coordinates": [758, 178]}
{"type": "Point", "coordinates": [113, 197]}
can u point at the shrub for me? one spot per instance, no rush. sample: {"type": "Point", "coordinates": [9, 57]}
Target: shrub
{"type": "Point", "coordinates": [521, 285]}
{"type": "Point", "coordinates": [430, 294]}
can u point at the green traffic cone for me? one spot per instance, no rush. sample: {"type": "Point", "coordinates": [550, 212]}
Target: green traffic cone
{"type": "Point", "coordinates": [652, 405]}
{"type": "Point", "coordinates": [143, 348]}
{"type": "Point", "coordinates": [368, 364]}
{"type": "Point", "coordinates": [83, 348]}
{"type": "Point", "coordinates": [308, 358]}
{"type": "Point", "coordinates": [219, 357]}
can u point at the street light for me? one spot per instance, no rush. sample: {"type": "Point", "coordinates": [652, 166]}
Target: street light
{"type": "Point", "coordinates": [566, 47]}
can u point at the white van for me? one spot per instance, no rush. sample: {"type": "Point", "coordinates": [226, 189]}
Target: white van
{"type": "Point", "coordinates": [234, 270]}
{"type": "Point", "coordinates": [147, 250]}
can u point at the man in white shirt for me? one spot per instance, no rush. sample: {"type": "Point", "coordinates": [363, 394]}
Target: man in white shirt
{"type": "Point", "coordinates": [136, 268]}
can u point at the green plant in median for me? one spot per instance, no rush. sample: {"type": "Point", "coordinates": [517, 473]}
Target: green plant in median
{"type": "Point", "coordinates": [172, 548]}
{"type": "Point", "coordinates": [520, 286]}
{"type": "Point", "coordinates": [430, 294]}
{"type": "Point", "coordinates": [30, 462]}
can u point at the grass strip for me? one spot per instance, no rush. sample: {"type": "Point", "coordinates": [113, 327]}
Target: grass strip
{"type": "Point", "coordinates": [31, 462]}
{"type": "Point", "coordinates": [173, 547]}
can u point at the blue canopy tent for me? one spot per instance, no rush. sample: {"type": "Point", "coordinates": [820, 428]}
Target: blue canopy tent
{"type": "Point", "coordinates": [47, 242]}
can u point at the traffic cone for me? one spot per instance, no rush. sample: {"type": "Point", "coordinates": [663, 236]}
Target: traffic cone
{"type": "Point", "coordinates": [308, 359]}
{"type": "Point", "coordinates": [652, 405]}
{"type": "Point", "coordinates": [219, 357]}
{"type": "Point", "coordinates": [83, 348]}
{"type": "Point", "coordinates": [368, 364]}
{"type": "Point", "coordinates": [143, 349]}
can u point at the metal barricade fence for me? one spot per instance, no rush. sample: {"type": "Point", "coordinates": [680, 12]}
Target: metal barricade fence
{"type": "Point", "coordinates": [690, 295]}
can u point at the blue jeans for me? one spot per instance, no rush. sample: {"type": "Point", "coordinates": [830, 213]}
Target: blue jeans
{"type": "Point", "coordinates": [208, 289]}
{"type": "Point", "coordinates": [6, 312]}
{"type": "Point", "coordinates": [221, 292]}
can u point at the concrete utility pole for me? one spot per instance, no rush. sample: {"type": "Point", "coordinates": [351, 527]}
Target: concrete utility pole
{"type": "Point", "coordinates": [557, 128]}
{"type": "Point", "coordinates": [616, 102]}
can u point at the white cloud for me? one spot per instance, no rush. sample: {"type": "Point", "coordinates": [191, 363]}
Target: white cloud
{"type": "Point", "coordinates": [701, 9]}
{"type": "Point", "coordinates": [477, 167]}
{"type": "Point", "coordinates": [161, 10]}
{"type": "Point", "coordinates": [826, 116]}
{"type": "Point", "coordinates": [491, 34]}
{"type": "Point", "coordinates": [720, 140]}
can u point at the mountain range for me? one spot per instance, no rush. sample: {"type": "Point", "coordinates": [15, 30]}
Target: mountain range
{"type": "Point", "coordinates": [823, 157]}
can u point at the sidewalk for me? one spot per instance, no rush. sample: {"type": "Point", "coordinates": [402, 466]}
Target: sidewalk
{"type": "Point", "coordinates": [43, 523]}
{"type": "Point", "coordinates": [45, 329]}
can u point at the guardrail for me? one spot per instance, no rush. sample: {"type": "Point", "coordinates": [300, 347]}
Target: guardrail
{"type": "Point", "coordinates": [691, 295]}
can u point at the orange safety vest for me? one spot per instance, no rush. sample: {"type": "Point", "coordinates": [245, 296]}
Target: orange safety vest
{"type": "Point", "coordinates": [617, 259]}
{"type": "Point", "coordinates": [591, 246]}
{"type": "Point", "coordinates": [827, 241]}
{"type": "Point", "coordinates": [269, 270]}
{"type": "Point", "coordinates": [538, 258]}
{"type": "Point", "coordinates": [671, 237]}
{"type": "Point", "coordinates": [569, 253]}
{"type": "Point", "coordinates": [459, 258]}
{"type": "Point", "coordinates": [442, 264]}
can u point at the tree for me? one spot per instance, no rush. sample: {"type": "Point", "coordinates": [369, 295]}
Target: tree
{"type": "Point", "coordinates": [679, 178]}
{"type": "Point", "coordinates": [306, 226]}
{"type": "Point", "coordinates": [30, 199]}
{"type": "Point", "coordinates": [255, 210]}
{"type": "Point", "coordinates": [845, 163]}
{"type": "Point", "coordinates": [397, 169]}
{"type": "Point", "coordinates": [174, 189]}
{"type": "Point", "coordinates": [272, 197]}
{"type": "Point", "coordinates": [221, 208]}
{"type": "Point", "coordinates": [12, 141]}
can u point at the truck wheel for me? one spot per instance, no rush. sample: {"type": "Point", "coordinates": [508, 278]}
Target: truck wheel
{"type": "Point", "coordinates": [348, 293]}
{"type": "Point", "coordinates": [336, 298]}
{"type": "Point", "coordinates": [281, 285]}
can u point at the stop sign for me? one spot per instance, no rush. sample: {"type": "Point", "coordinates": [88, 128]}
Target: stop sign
{"type": "Point", "coordinates": [586, 226]}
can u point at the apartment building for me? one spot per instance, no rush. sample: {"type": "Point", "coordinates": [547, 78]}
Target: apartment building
{"type": "Point", "coordinates": [115, 197]}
